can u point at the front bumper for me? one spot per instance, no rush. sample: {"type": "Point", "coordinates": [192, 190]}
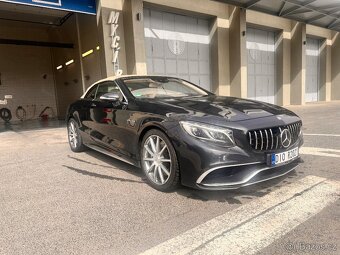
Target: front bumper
{"type": "Point", "coordinates": [208, 166]}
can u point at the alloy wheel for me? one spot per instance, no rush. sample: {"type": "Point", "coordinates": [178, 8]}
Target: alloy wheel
{"type": "Point", "coordinates": [73, 134]}
{"type": "Point", "coordinates": [156, 159]}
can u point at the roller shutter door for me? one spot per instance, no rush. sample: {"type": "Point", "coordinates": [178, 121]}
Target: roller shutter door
{"type": "Point", "coordinates": [261, 65]}
{"type": "Point", "coordinates": [312, 70]}
{"type": "Point", "coordinates": [177, 45]}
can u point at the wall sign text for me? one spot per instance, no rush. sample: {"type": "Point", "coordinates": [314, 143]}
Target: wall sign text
{"type": "Point", "coordinates": [115, 47]}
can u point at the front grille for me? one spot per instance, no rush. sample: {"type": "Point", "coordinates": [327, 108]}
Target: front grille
{"type": "Point", "coordinates": [270, 138]}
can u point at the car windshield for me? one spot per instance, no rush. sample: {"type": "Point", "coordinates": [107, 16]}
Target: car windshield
{"type": "Point", "coordinates": [162, 87]}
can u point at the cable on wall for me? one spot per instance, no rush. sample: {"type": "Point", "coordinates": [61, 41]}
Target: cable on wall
{"type": "Point", "coordinates": [20, 113]}
{"type": "Point", "coordinates": [5, 114]}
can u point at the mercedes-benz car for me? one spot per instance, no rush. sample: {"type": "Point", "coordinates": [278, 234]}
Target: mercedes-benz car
{"type": "Point", "coordinates": [180, 133]}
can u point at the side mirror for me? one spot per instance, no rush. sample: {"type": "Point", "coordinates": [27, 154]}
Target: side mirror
{"type": "Point", "coordinates": [113, 97]}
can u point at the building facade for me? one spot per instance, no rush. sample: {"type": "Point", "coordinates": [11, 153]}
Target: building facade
{"type": "Point", "coordinates": [49, 57]}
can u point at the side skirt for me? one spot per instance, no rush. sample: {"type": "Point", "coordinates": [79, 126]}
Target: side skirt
{"type": "Point", "coordinates": [110, 154]}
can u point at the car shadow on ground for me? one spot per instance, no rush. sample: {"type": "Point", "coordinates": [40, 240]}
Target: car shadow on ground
{"type": "Point", "coordinates": [225, 196]}
{"type": "Point", "coordinates": [102, 176]}
{"type": "Point", "coordinates": [108, 163]}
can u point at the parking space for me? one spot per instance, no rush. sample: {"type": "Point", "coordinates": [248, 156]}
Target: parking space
{"type": "Point", "coordinates": [55, 201]}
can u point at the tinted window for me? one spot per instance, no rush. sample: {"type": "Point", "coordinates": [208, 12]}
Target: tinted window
{"type": "Point", "coordinates": [92, 93]}
{"type": "Point", "coordinates": [107, 87]}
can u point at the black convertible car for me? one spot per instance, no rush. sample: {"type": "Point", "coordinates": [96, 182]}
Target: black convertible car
{"type": "Point", "coordinates": [178, 132]}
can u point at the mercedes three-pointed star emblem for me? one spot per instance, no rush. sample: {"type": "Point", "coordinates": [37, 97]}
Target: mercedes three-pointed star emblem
{"type": "Point", "coordinates": [286, 138]}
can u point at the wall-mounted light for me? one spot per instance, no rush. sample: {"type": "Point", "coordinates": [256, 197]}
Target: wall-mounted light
{"type": "Point", "coordinates": [69, 62]}
{"type": "Point", "coordinates": [87, 53]}
{"type": "Point", "coordinates": [97, 48]}
{"type": "Point", "coordinates": [59, 67]}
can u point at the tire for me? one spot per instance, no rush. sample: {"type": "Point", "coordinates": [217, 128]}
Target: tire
{"type": "Point", "coordinates": [74, 138]}
{"type": "Point", "coordinates": [161, 169]}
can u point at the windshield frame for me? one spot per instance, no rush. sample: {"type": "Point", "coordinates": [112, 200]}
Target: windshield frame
{"type": "Point", "coordinates": [127, 90]}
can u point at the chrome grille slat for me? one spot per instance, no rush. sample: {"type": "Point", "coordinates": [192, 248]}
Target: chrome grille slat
{"type": "Point", "coordinates": [271, 132]}
{"type": "Point", "coordinates": [278, 138]}
{"type": "Point", "coordinates": [255, 140]}
{"type": "Point", "coordinates": [261, 140]}
{"type": "Point", "coordinates": [291, 130]}
{"type": "Point", "coordinates": [269, 138]}
{"type": "Point", "coordinates": [296, 130]}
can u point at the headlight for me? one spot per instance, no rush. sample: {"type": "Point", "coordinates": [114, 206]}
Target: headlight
{"type": "Point", "coordinates": [210, 133]}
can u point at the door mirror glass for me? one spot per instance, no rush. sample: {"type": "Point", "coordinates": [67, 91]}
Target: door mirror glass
{"type": "Point", "coordinates": [113, 97]}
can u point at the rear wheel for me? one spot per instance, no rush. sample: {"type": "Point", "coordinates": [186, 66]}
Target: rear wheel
{"type": "Point", "coordinates": [74, 138]}
{"type": "Point", "coordinates": [159, 161]}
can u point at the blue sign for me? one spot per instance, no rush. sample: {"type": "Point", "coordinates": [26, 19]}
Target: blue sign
{"type": "Point", "coordinates": [82, 6]}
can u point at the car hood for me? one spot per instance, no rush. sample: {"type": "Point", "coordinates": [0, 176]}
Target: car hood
{"type": "Point", "coordinates": [228, 108]}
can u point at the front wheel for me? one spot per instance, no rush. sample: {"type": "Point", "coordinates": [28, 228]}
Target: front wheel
{"type": "Point", "coordinates": [74, 138]}
{"type": "Point", "coordinates": [159, 161]}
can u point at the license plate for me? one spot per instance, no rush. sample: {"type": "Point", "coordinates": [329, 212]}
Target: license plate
{"type": "Point", "coordinates": [279, 158]}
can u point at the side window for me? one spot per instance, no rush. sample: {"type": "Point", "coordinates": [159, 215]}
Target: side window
{"type": "Point", "coordinates": [92, 93]}
{"type": "Point", "coordinates": [107, 87]}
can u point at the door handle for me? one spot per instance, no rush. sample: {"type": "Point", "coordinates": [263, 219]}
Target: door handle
{"type": "Point", "coordinates": [93, 105]}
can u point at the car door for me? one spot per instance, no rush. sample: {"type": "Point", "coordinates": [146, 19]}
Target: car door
{"type": "Point", "coordinates": [109, 119]}
{"type": "Point", "coordinates": [83, 111]}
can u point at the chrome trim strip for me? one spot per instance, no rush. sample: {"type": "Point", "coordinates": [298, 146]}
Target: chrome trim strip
{"type": "Point", "coordinates": [247, 179]}
{"type": "Point", "coordinates": [266, 179]}
{"type": "Point", "coordinates": [248, 184]}
{"type": "Point", "coordinates": [96, 148]}
{"type": "Point", "coordinates": [199, 180]}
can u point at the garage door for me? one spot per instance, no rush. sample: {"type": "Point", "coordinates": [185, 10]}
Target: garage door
{"type": "Point", "coordinates": [177, 45]}
{"type": "Point", "coordinates": [312, 70]}
{"type": "Point", "coordinates": [261, 65]}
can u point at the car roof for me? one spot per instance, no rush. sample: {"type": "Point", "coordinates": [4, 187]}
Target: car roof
{"type": "Point", "coordinates": [112, 78]}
